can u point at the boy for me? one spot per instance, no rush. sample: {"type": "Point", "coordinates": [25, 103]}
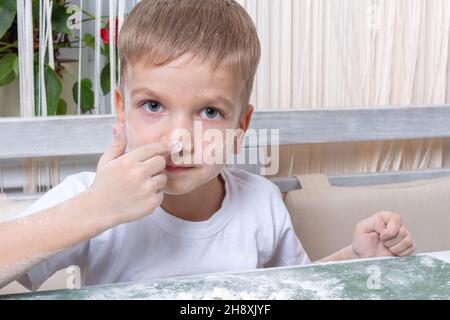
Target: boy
{"type": "Point", "coordinates": [185, 62]}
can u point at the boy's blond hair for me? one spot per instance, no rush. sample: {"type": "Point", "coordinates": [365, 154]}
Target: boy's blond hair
{"type": "Point", "coordinates": [216, 31]}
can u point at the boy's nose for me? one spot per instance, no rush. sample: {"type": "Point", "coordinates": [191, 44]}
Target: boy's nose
{"type": "Point", "coordinates": [182, 151]}
{"type": "Point", "coordinates": [180, 143]}
{"type": "Point", "coordinates": [183, 147]}
{"type": "Point", "coordinates": [182, 129]}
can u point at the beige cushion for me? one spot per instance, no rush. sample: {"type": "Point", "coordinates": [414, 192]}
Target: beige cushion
{"type": "Point", "coordinates": [325, 216]}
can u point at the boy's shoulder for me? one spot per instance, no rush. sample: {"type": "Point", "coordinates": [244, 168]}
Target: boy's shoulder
{"type": "Point", "coordinates": [77, 181]}
{"type": "Point", "coordinates": [260, 204]}
{"type": "Point", "coordinates": [68, 188]}
{"type": "Point", "coordinates": [74, 184]}
{"type": "Point", "coordinates": [252, 183]}
{"type": "Point", "coordinates": [255, 193]}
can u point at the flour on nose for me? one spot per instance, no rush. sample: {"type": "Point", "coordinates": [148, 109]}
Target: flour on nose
{"type": "Point", "coordinates": [176, 146]}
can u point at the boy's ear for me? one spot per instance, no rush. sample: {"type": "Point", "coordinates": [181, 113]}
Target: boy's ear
{"type": "Point", "coordinates": [246, 118]}
{"type": "Point", "coordinates": [244, 123]}
{"type": "Point", "coordinates": [120, 106]}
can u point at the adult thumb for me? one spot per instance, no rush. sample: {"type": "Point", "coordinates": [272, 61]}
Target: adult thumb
{"type": "Point", "coordinates": [117, 148]}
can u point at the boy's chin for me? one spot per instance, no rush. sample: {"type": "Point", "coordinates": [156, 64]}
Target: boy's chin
{"type": "Point", "coordinates": [181, 185]}
{"type": "Point", "coordinates": [178, 188]}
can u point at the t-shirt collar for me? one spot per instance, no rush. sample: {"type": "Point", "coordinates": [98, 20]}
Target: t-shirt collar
{"type": "Point", "coordinates": [201, 229]}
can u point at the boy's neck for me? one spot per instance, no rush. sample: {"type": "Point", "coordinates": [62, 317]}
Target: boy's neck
{"type": "Point", "coordinates": [199, 204]}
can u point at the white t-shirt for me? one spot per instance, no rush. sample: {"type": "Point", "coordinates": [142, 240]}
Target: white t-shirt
{"type": "Point", "coordinates": [252, 229]}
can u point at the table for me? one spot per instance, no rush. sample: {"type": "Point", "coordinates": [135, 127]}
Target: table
{"type": "Point", "coordinates": [424, 276]}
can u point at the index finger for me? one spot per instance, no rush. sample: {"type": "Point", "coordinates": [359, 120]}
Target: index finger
{"type": "Point", "coordinates": [148, 151]}
{"type": "Point", "coordinates": [393, 224]}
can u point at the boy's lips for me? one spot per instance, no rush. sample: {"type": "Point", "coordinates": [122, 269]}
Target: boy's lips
{"type": "Point", "coordinates": [178, 168]}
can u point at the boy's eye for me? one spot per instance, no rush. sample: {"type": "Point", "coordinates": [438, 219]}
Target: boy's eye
{"type": "Point", "coordinates": [152, 106]}
{"type": "Point", "coordinates": [211, 112]}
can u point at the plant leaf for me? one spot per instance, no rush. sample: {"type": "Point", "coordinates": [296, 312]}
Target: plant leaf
{"type": "Point", "coordinates": [105, 50]}
{"type": "Point", "coordinates": [105, 81]}
{"type": "Point", "coordinates": [89, 40]}
{"type": "Point", "coordinates": [36, 86]}
{"type": "Point", "coordinates": [7, 73]}
{"type": "Point", "coordinates": [62, 107]}
{"type": "Point", "coordinates": [8, 79]}
{"type": "Point", "coordinates": [53, 89]}
{"type": "Point", "coordinates": [59, 19]}
{"type": "Point", "coordinates": [16, 65]}
{"type": "Point", "coordinates": [87, 95]}
{"type": "Point", "coordinates": [8, 10]}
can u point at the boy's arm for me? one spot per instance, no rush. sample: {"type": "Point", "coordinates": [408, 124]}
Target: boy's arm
{"type": "Point", "coordinates": [379, 235]}
{"type": "Point", "coordinates": [343, 254]}
{"type": "Point", "coordinates": [33, 239]}
{"type": "Point", "coordinates": [126, 188]}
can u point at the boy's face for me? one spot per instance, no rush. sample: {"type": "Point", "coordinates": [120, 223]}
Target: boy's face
{"type": "Point", "coordinates": [157, 104]}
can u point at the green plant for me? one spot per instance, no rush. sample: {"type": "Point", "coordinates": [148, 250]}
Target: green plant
{"type": "Point", "coordinates": [62, 37]}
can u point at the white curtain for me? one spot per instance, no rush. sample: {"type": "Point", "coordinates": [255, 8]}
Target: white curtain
{"type": "Point", "coordinates": [326, 53]}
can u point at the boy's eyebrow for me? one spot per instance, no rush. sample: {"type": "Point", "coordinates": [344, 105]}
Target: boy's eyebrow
{"type": "Point", "coordinates": [219, 98]}
{"type": "Point", "coordinates": [143, 90]}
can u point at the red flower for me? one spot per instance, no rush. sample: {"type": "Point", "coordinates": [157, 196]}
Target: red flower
{"type": "Point", "coordinates": [104, 32]}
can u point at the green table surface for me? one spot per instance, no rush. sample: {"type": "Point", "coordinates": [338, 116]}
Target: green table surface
{"type": "Point", "coordinates": [425, 276]}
